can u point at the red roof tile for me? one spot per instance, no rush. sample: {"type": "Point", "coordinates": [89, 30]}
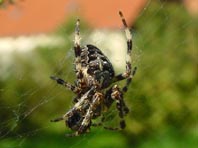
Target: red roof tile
{"type": "Point", "coordinates": [31, 16]}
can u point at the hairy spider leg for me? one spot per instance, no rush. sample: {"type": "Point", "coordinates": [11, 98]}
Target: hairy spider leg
{"type": "Point", "coordinates": [117, 95]}
{"type": "Point", "coordinates": [57, 119]}
{"type": "Point", "coordinates": [97, 124]}
{"type": "Point", "coordinates": [78, 106]}
{"type": "Point", "coordinates": [86, 123]}
{"type": "Point", "coordinates": [100, 123]}
{"type": "Point", "coordinates": [129, 80]}
{"type": "Point", "coordinates": [127, 73]}
{"type": "Point", "coordinates": [77, 39]}
{"type": "Point", "coordinates": [84, 99]}
{"type": "Point", "coordinates": [105, 127]}
{"type": "Point", "coordinates": [66, 84]}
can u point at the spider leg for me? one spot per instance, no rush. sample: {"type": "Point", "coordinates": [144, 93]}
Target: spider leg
{"type": "Point", "coordinates": [96, 124]}
{"type": "Point", "coordinates": [77, 106]}
{"type": "Point", "coordinates": [127, 73]}
{"type": "Point", "coordinates": [84, 99]}
{"type": "Point", "coordinates": [86, 123]}
{"type": "Point", "coordinates": [77, 39]}
{"type": "Point", "coordinates": [117, 95]}
{"type": "Point", "coordinates": [105, 127]}
{"type": "Point", "coordinates": [66, 84]}
{"type": "Point", "coordinates": [111, 128]}
{"type": "Point", "coordinates": [100, 123]}
{"type": "Point", "coordinates": [57, 119]}
{"type": "Point", "coordinates": [128, 81]}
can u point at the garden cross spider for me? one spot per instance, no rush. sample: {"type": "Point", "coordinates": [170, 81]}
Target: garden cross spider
{"type": "Point", "coordinates": [93, 86]}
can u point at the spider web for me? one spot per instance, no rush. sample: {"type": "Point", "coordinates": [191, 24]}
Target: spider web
{"type": "Point", "coordinates": [24, 110]}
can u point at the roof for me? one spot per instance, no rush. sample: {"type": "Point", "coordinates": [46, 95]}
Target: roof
{"type": "Point", "coordinates": [33, 17]}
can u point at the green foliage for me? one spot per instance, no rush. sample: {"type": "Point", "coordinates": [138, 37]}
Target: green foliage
{"type": "Point", "coordinates": [165, 85]}
{"type": "Point", "coordinates": [162, 97]}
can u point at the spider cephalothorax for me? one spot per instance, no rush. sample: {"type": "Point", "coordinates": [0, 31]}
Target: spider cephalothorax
{"type": "Point", "coordinates": [94, 86]}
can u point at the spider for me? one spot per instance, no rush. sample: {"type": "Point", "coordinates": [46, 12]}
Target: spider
{"type": "Point", "coordinates": [94, 86]}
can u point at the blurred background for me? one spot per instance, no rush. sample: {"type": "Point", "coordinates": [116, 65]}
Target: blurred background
{"type": "Point", "coordinates": [36, 41]}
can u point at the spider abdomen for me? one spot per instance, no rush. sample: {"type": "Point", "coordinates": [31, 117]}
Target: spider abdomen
{"type": "Point", "coordinates": [97, 64]}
